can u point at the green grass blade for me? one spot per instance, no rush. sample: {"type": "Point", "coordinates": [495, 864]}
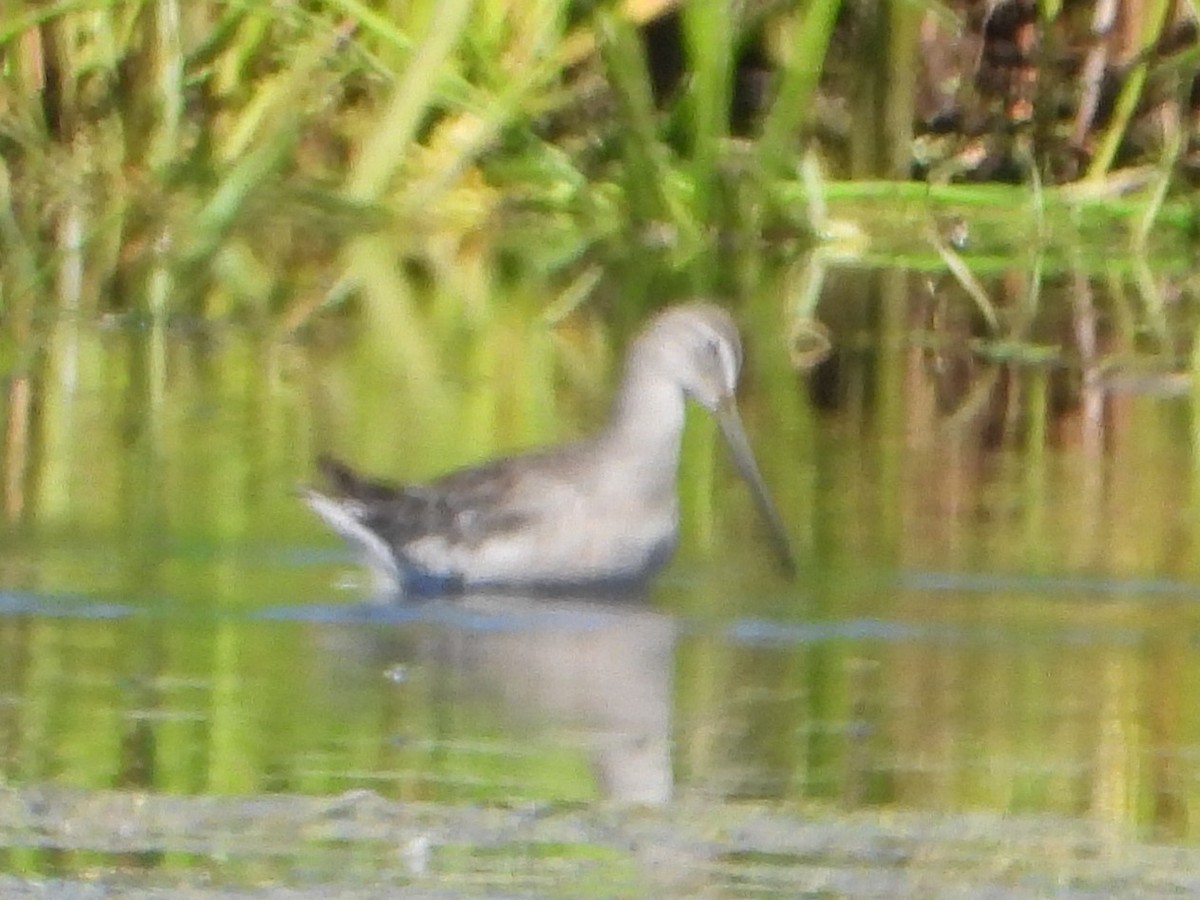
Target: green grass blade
{"type": "Point", "coordinates": [626, 67]}
{"type": "Point", "coordinates": [276, 123]}
{"type": "Point", "coordinates": [809, 41]}
{"type": "Point", "coordinates": [385, 151]}
{"type": "Point", "coordinates": [1154, 19]}
{"type": "Point", "coordinates": [709, 29]}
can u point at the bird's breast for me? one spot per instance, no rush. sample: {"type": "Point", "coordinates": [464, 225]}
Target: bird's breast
{"type": "Point", "coordinates": [606, 537]}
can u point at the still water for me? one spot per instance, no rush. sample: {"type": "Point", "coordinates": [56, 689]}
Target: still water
{"type": "Point", "coordinates": [986, 675]}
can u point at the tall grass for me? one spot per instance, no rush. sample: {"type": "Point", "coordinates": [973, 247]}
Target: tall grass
{"type": "Point", "coordinates": [262, 160]}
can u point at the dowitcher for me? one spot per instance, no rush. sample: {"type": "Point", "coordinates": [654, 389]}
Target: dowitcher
{"type": "Point", "coordinates": [597, 511]}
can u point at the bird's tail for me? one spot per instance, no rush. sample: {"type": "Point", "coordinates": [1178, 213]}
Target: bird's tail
{"type": "Point", "coordinates": [350, 517]}
{"type": "Point", "coordinates": [345, 482]}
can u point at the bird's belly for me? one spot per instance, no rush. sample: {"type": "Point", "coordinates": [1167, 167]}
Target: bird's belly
{"type": "Point", "coordinates": [607, 546]}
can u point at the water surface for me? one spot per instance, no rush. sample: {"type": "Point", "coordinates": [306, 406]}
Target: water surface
{"type": "Point", "coordinates": [992, 639]}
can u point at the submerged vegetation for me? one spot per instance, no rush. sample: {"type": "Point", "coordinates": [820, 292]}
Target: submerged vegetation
{"type": "Point", "coordinates": [265, 158]}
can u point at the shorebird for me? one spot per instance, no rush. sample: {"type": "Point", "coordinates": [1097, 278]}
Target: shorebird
{"type": "Point", "coordinates": [599, 511]}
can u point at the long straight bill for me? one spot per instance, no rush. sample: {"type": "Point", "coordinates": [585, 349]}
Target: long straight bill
{"type": "Point", "coordinates": [743, 457]}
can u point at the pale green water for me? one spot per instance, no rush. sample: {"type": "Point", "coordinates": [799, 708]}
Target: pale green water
{"type": "Point", "coordinates": [996, 615]}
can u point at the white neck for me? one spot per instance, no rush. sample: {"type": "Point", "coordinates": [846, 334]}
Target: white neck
{"type": "Point", "coordinates": [643, 433]}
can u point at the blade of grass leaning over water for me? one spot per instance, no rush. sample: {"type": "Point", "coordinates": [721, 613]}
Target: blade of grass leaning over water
{"type": "Point", "coordinates": [1146, 222]}
{"type": "Point", "coordinates": [966, 279]}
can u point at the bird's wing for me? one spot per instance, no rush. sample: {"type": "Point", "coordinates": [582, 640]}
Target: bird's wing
{"type": "Point", "coordinates": [462, 508]}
